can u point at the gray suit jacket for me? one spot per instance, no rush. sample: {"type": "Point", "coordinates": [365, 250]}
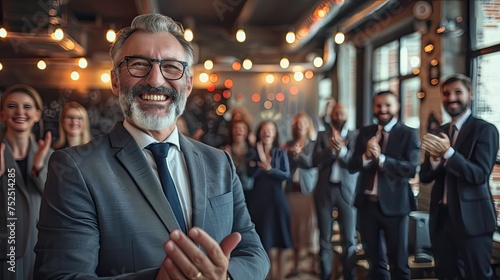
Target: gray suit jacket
{"type": "Point", "coordinates": [103, 213]}
{"type": "Point", "coordinates": [323, 158]}
{"type": "Point", "coordinates": [27, 197]}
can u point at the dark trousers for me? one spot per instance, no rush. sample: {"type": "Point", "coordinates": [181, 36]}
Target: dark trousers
{"type": "Point", "coordinates": [459, 257]}
{"type": "Point", "coordinates": [326, 198]}
{"type": "Point", "coordinates": [383, 235]}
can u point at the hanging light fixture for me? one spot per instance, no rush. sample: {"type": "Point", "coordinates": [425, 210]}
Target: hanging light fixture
{"type": "Point", "coordinates": [241, 35]}
{"type": "Point", "coordinates": [247, 64]}
{"type": "Point", "coordinates": [339, 38]}
{"type": "Point", "coordinates": [3, 32]}
{"type": "Point", "coordinates": [111, 35]}
{"type": "Point", "coordinates": [290, 37]}
{"type": "Point", "coordinates": [41, 64]}
{"type": "Point", "coordinates": [284, 63]}
{"type": "Point", "coordinates": [82, 62]}
{"type": "Point", "coordinates": [188, 35]}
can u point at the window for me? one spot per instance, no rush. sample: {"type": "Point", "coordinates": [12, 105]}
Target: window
{"type": "Point", "coordinates": [485, 15]}
{"type": "Point", "coordinates": [394, 64]}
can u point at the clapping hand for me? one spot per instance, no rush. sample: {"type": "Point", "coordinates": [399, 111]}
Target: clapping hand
{"type": "Point", "coordinates": [186, 261]}
{"type": "Point", "coordinates": [436, 145]}
{"type": "Point", "coordinates": [373, 149]}
{"type": "Point", "coordinates": [336, 141]}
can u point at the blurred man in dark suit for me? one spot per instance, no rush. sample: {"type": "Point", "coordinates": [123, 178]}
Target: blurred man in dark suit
{"type": "Point", "coordinates": [387, 155]}
{"type": "Point", "coordinates": [459, 159]}
{"type": "Point", "coordinates": [335, 189]}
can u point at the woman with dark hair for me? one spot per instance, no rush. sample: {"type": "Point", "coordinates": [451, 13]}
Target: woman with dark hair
{"type": "Point", "coordinates": [266, 202]}
{"type": "Point", "coordinates": [74, 126]}
{"type": "Point", "coordinates": [238, 146]}
{"type": "Point", "coordinates": [23, 171]}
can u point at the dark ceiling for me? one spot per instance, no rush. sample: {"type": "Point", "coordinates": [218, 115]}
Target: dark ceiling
{"type": "Point", "coordinates": [214, 23]}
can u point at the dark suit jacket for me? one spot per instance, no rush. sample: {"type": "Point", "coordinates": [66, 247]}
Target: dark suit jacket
{"type": "Point", "coordinates": [402, 159]}
{"type": "Point", "coordinates": [27, 197]}
{"type": "Point", "coordinates": [103, 212]}
{"type": "Point", "coordinates": [323, 158]}
{"type": "Point", "coordinates": [467, 174]}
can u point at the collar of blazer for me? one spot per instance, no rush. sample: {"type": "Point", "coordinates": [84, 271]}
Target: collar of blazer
{"type": "Point", "coordinates": [132, 158]}
{"type": "Point", "coordinates": [466, 129]}
{"type": "Point", "coordinates": [10, 162]}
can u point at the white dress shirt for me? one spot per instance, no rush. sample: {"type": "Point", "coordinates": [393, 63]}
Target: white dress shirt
{"type": "Point", "coordinates": [175, 162]}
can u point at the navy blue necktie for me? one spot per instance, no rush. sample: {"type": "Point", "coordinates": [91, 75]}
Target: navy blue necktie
{"type": "Point", "coordinates": [160, 152]}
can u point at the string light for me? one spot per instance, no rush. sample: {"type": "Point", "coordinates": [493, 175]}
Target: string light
{"type": "Point", "coordinates": [247, 64]}
{"type": "Point", "coordinates": [58, 34]}
{"type": "Point", "coordinates": [290, 37]}
{"type": "Point", "coordinates": [339, 38]}
{"type": "Point", "coordinates": [284, 63]}
{"type": "Point", "coordinates": [82, 63]}
{"type": "Point", "coordinates": [241, 36]}
{"type": "Point", "coordinates": [75, 76]}
{"type": "Point", "coordinates": [188, 35]}
{"type": "Point", "coordinates": [111, 35]}
{"type": "Point", "coordinates": [41, 65]}
{"type": "Point", "coordinates": [3, 32]}
{"type": "Point", "coordinates": [105, 78]}
{"type": "Point", "coordinates": [208, 64]}
{"type": "Point", "coordinates": [318, 62]}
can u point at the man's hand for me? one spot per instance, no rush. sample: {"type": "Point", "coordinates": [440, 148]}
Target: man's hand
{"type": "Point", "coordinates": [436, 145]}
{"type": "Point", "coordinates": [373, 148]}
{"type": "Point", "coordinates": [336, 141]}
{"type": "Point", "coordinates": [186, 261]}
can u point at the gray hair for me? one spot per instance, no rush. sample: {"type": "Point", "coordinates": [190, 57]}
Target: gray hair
{"type": "Point", "coordinates": [153, 23]}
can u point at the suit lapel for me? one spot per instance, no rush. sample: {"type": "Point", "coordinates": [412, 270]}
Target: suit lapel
{"type": "Point", "coordinates": [197, 178]}
{"type": "Point", "coordinates": [11, 162]}
{"type": "Point", "coordinates": [134, 161]}
{"type": "Point", "coordinates": [31, 156]}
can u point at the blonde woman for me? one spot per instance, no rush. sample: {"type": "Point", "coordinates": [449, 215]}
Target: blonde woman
{"type": "Point", "coordinates": [299, 189]}
{"type": "Point", "coordinates": [23, 171]}
{"type": "Point", "coordinates": [73, 126]}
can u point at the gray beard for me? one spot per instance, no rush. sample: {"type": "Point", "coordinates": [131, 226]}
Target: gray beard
{"type": "Point", "coordinates": [132, 111]}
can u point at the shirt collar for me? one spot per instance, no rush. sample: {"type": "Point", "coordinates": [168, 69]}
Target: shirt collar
{"type": "Point", "coordinates": [388, 127]}
{"type": "Point", "coordinates": [143, 140]}
{"type": "Point", "coordinates": [461, 120]}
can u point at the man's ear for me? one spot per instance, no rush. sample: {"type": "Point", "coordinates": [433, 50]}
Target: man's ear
{"type": "Point", "coordinates": [189, 86]}
{"type": "Point", "coordinates": [115, 82]}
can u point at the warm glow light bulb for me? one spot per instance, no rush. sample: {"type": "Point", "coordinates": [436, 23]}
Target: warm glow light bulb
{"type": "Point", "coordinates": [284, 63]}
{"type": "Point", "coordinates": [339, 38]}
{"type": "Point", "coordinates": [1, 66]}
{"type": "Point", "coordinates": [75, 76]}
{"type": "Point", "coordinates": [111, 35]}
{"type": "Point", "coordinates": [241, 36]}
{"type": "Point", "coordinates": [41, 65]}
{"type": "Point", "coordinates": [298, 76]}
{"type": "Point", "coordinates": [208, 64]}
{"type": "Point", "coordinates": [82, 63]}
{"type": "Point", "coordinates": [105, 78]}
{"type": "Point", "coordinates": [58, 34]}
{"type": "Point", "coordinates": [290, 37]}
{"type": "Point", "coordinates": [247, 64]}
{"type": "Point", "coordinates": [269, 78]}
{"type": "Point", "coordinates": [188, 35]}
{"type": "Point", "coordinates": [3, 32]}
{"type": "Point", "coordinates": [318, 62]}
{"type": "Point", "coordinates": [203, 77]}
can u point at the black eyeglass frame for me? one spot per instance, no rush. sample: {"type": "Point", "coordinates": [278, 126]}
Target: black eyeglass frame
{"type": "Point", "coordinates": [151, 60]}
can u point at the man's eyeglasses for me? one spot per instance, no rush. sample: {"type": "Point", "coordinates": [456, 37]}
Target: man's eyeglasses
{"type": "Point", "coordinates": [140, 67]}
